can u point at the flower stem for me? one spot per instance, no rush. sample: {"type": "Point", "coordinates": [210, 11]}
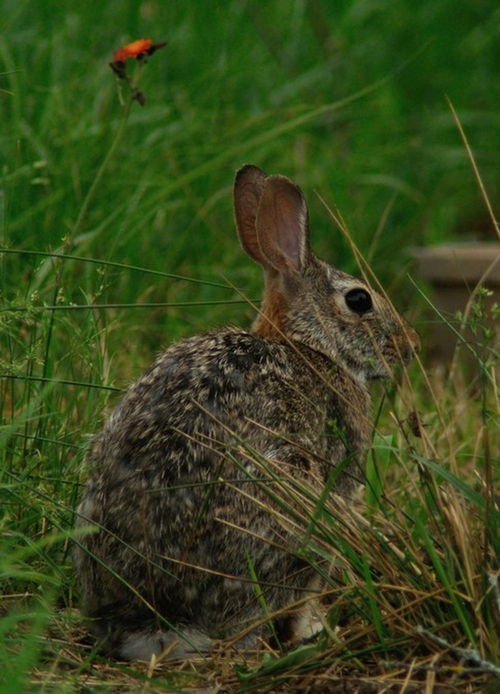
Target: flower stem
{"type": "Point", "coordinates": [100, 172]}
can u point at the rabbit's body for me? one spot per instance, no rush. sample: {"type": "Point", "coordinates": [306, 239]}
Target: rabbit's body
{"type": "Point", "coordinates": [185, 433]}
{"type": "Point", "coordinates": [186, 467]}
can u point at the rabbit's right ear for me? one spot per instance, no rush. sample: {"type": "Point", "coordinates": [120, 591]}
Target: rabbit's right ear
{"type": "Point", "coordinates": [282, 226]}
{"type": "Point", "coordinates": [248, 187]}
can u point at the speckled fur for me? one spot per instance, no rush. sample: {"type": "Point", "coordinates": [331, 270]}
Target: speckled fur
{"type": "Point", "coordinates": [174, 492]}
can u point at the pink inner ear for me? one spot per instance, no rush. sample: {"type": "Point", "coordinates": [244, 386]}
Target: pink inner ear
{"type": "Point", "coordinates": [245, 216]}
{"type": "Point", "coordinates": [282, 225]}
{"type": "Point", "coordinates": [248, 188]}
{"type": "Point", "coordinates": [291, 227]}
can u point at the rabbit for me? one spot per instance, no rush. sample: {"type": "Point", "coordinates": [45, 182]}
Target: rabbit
{"type": "Point", "coordinates": [183, 534]}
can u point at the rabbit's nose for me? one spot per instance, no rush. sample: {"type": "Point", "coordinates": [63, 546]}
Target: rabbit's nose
{"type": "Point", "coordinates": [411, 344]}
{"type": "Point", "coordinates": [406, 343]}
{"type": "Point", "coordinates": [414, 340]}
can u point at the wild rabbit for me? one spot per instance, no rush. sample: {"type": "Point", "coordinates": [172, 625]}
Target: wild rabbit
{"type": "Point", "coordinates": [179, 500]}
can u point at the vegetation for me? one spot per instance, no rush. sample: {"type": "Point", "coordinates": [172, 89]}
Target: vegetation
{"type": "Point", "coordinates": [117, 237]}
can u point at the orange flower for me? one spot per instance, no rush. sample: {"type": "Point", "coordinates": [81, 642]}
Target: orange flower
{"type": "Point", "coordinates": [137, 49]}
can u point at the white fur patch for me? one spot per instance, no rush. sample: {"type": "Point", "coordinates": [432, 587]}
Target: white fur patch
{"type": "Point", "coordinates": [142, 645]}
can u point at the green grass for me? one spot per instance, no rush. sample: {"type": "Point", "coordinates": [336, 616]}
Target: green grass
{"type": "Point", "coordinates": [113, 246]}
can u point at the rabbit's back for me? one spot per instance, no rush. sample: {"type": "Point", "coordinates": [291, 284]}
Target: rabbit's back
{"type": "Point", "coordinates": [204, 393]}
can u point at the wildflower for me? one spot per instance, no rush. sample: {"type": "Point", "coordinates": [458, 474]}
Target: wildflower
{"type": "Point", "coordinates": [138, 50]}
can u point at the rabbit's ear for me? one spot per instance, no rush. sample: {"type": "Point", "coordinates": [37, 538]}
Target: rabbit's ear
{"type": "Point", "coordinates": [248, 186]}
{"type": "Point", "coordinates": [282, 230]}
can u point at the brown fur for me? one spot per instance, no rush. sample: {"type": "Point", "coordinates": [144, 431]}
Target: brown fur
{"type": "Point", "coordinates": [187, 468]}
{"type": "Point", "coordinates": [271, 321]}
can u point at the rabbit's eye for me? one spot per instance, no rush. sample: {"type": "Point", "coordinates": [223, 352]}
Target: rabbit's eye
{"type": "Point", "coordinates": [359, 301]}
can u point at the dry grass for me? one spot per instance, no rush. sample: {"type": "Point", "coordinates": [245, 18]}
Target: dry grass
{"type": "Point", "coordinates": [411, 599]}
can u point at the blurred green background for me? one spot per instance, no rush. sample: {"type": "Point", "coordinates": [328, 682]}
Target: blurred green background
{"type": "Point", "coordinates": [271, 83]}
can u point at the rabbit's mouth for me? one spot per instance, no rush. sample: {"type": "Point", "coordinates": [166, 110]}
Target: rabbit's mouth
{"type": "Point", "coordinates": [379, 354]}
{"type": "Point", "coordinates": [406, 344]}
{"type": "Point", "coordinates": [382, 363]}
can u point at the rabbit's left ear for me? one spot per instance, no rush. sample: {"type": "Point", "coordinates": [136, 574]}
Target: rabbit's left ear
{"type": "Point", "coordinates": [248, 187]}
{"type": "Point", "coordinates": [282, 226]}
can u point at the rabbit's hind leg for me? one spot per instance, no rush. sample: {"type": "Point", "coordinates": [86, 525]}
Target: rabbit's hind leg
{"type": "Point", "coordinates": [308, 620]}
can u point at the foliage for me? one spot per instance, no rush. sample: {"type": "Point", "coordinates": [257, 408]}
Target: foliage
{"type": "Point", "coordinates": [117, 237]}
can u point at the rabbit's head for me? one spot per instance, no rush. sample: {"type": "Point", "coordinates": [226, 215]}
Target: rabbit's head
{"type": "Point", "coordinates": [305, 299]}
